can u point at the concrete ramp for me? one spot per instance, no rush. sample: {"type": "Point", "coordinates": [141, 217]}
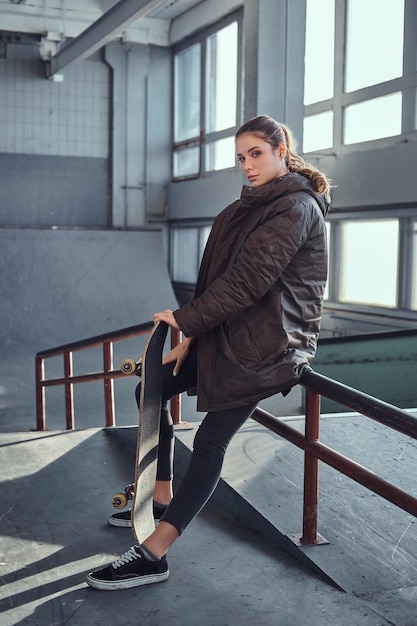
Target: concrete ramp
{"type": "Point", "coordinates": [55, 494]}
{"type": "Point", "coordinates": [59, 286]}
{"type": "Point", "coordinates": [372, 549]}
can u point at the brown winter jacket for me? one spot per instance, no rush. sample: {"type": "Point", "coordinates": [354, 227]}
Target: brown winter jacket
{"type": "Point", "coordinates": [258, 299]}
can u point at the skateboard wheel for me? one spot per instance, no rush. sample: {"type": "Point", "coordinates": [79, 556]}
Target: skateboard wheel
{"type": "Point", "coordinates": [119, 501]}
{"type": "Point", "coordinates": [128, 366]}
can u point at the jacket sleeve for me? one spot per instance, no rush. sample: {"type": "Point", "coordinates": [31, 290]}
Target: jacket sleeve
{"type": "Point", "coordinates": [262, 258]}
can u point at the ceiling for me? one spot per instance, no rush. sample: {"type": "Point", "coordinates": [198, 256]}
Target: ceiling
{"type": "Point", "coordinates": [71, 30]}
{"type": "Point", "coordinates": [59, 20]}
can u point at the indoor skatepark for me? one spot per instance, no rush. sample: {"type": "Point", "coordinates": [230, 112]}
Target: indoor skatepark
{"type": "Point", "coordinates": [106, 200]}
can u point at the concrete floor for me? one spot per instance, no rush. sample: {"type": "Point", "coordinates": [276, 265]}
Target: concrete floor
{"type": "Point", "coordinates": [55, 498]}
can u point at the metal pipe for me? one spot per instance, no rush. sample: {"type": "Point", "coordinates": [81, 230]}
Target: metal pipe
{"type": "Point", "coordinates": [108, 383]}
{"type": "Point", "coordinates": [338, 461]}
{"type": "Point", "coordinates": [107, 375]}
{"type": "Point", "coordinates": [279, 427]}
{"type": "Point", "coordinates": [97, 340]}
{"type": "Point", "coordinates": [176, 336]}
{"type": "Point", "coordinates": [69, 391]}
{"type": "Point", "coordinates": [311, 469]}
{"type": "Point", "coordinates": [365, 477]}
{"type": "Point", "coordinates": [40, 394]}
{"type": "Point", "coordinates": [362, 403]}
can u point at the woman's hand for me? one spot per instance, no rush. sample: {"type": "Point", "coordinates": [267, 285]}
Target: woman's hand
{"type": "Point", "coordinates": [178, 355]}
{"type": "Point", "coordinates": [166, 316]}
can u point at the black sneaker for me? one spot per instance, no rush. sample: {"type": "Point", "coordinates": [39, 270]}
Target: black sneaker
{"type": "Point", "coordinates": [124, 518]}
{"type": "Point", "coordinates": [132, 569]}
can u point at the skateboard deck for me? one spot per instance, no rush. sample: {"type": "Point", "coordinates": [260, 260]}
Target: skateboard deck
{"type": "Point", "coordinates": [143, 523]}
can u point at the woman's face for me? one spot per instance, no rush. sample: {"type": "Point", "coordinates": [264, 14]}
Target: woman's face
{"type": "Point", "coordinates": [259, 161]}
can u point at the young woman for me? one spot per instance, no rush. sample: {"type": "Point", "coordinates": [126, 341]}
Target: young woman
{"type": "Point", "coordinates": [250, 331]}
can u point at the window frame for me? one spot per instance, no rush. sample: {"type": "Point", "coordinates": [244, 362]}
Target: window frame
{"type": "Point", "coordinates": [405, 84]}
{"type": "Point", "coordinates": [204, 137]}
{"type": "Point", "coordinates": [406, 213]}
{"type": "Point", "coordinates": [407, 248]}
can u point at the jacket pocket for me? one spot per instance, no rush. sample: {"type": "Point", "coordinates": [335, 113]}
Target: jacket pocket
{"type": "Point", "coordinates": [242, 344]}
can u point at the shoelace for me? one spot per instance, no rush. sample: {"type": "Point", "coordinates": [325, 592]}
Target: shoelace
{"type": "Point", "coordinates": [129, 556]}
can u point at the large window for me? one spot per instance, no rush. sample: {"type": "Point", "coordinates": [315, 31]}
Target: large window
{"type": "Point", "coordinates": [373, 119]}
{"type": "Point", "coordinates": [207, 100]}
{"type": "Point", "coordinates": [318, 131]}
{"type": "Point", "coordinates": [187, 109]}
{"type": "Point", "coordinates": [373, 260]}
{"type": "Point", "coordinates": [360, 72]}
{"type": "Point", "coordinates": [414, 270]}
{"type": "Point", "coordinates": [369, 267]}
{"type": "Point", "coordinates": [187, 247]}
{"type": "Point", "coordinates": [360, 94]}
{"type": "Point", "coordinates": [319, 51]}
{"type": "Point", "coordinates": [373, 54]}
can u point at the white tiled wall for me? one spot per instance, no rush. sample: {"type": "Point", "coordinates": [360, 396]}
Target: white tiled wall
{"type": "Point", "coordinates": [40, 116]}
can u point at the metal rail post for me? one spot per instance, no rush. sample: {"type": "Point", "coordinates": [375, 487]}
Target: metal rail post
{"type": "Point", "coordinates": [108, 383]}
{"type": "Point", "coordinates": [40, 394]}
{"type": "Point", "coordinates": [176, 400]}
{"type": "Point", "coordinates": [311, 469]}
{"type": "Point", "coordinates": [69, 391]}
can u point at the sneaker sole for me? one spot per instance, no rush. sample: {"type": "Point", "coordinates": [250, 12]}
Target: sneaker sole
{"type": "Point", "coordinates": [124, 523]}
{"type": "Point", "coordinates": [120, 523]}
{"type": "Point", "coordinates": [114, 585]}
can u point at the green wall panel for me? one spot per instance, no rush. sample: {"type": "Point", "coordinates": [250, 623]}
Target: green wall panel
{"type": "Point", "coordinates": [382, 365]}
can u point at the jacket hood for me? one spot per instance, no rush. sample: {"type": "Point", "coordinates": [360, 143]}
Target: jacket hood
{"type": "Point", "coordinates": [282, 186]}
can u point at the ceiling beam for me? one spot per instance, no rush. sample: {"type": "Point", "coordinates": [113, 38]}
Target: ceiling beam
{"type": "Point", "coordinates": [105, 29]}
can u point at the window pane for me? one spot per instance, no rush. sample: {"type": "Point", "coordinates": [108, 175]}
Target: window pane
{"type": "Point", "coordinates": [187, 162]}
{"type": "Point", "coordinates": [414, 274]}
{"type": "Point", "coordinates": [185, 254]}
{"type": "Point", "coordinates": [318, 132]}
{"type": "Point", "coordinates": [221, 79]}
{"type": "Point", "coordinates": [370, 262]}
{"type": "Point", "coordinates": [187, 93]}
{"type": "Point", "coordinates": [204, 235]}
{"type": "Point", "coordinates": [319, 52]}
{"type": "Point", "coordinates": [220, 154]}
{"type": "Point", "coordinates": [373, 119]}
{"type": "Point", "coordinates": [374, 42]}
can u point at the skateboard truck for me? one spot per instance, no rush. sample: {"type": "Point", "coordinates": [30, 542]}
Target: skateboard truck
{"type": "Point", "coordinates": [120, 500]}
{"type": "Point", "coordinates": [129, 367]}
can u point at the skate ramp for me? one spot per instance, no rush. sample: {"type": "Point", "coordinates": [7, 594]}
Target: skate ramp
{"type": "Point", "coordinates": [59, 286]}
{"type": "Point", "coordinates": [55, 499]}
{"type": "Point", "coordinates": [372, 544]}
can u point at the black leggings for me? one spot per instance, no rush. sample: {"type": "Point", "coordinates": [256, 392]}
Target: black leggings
{"type": "Point", "coordinates": [210, 444]}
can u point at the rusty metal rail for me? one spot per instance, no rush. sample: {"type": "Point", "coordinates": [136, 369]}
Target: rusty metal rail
{"type": "Point", "coordinates": [317, 385]}
{"type": "Point", "coordinates": [108, 374]}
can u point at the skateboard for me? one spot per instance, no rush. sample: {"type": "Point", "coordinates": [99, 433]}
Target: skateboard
{"type": "Point", "coordinates": [149, 367]}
